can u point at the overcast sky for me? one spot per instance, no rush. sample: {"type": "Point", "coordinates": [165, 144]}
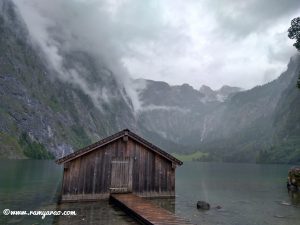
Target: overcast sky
{"type": "Point", "coordinates": [213, 42]}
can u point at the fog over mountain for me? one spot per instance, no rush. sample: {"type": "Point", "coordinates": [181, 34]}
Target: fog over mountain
{"type": "Point", "coordinates": [75, 71]}
{"type": "Point", "coordinates": [200, 43]}
{"type": "Point", "coordinates": [64, 28]}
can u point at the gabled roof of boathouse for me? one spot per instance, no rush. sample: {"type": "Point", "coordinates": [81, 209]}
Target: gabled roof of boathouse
{"type": "Point", "coordinates": [113, 138]}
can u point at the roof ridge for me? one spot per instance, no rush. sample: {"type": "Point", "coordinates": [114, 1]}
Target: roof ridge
{"type": "Point", "coordinates": [113, 137]}
{"type": "Point", "coordinates": [89, 147]}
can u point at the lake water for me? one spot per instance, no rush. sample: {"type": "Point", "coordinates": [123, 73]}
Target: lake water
{"type": "Point", "coordinates": [247, 193]}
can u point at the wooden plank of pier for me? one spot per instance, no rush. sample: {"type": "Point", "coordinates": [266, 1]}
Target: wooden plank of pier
{"type": "Point", "coordinates": [145, 211]}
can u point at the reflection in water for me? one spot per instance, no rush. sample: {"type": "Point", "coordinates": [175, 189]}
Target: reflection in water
{"type": "Point", "coordinates": [27, 185]}
{"type": "Point", "coordinates": [35, 184]}
{"type": "Point", "coordinates": [166, 203]}
{"type": "Point", "coordinates": [98, 213]}
{"type": "Point", "coordinates": [248, 194]}
{"type": "Point", "coordinates": [295, 197]}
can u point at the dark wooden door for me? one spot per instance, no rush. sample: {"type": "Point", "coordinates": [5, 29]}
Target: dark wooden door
{"type": "Point", "coordinates": [121, 175]}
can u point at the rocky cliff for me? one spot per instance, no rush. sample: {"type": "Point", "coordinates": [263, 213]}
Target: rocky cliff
{"type": "Point", "coordinates": [54, 113]}
{"type": "Point", "coordinates": [44, 113]}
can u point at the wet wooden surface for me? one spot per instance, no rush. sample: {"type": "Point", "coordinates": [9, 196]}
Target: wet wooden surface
{"type": "Point", "coordinates": [119, 166]}
{"type": "Point", "coordinates": [145, 211]}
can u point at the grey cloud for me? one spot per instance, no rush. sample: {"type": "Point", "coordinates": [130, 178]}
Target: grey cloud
{"type": "Point", "coordinates": [239, 18]}
{"type": "Point", "coordinates": [61, 27]}
{"type": "Point", "coordinates": [212, 42]}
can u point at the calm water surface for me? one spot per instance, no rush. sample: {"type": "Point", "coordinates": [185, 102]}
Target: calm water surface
{"type": "Point", "coordinates": [247, 193]}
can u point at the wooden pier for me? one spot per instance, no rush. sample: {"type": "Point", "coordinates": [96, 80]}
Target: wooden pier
{"type": "Point", "coordinates": [145, 212]}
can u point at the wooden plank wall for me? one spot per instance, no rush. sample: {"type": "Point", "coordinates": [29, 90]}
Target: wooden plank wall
{"type": "Point", "coordinates": [88, 177]}
{"type": "Point", "coordinates": [152, 174]}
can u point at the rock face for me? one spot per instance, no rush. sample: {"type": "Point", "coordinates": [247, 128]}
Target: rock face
{"type": "Point", "coordinates": [232, 128]}
{"type": "Point", "coordinates": [179, 114]}
{"type": "Point", "coordinates": [261, 124]}
{"type": "Point", "coordinates": [57, 114]}
{"type": "Point", "coordinates": [220, 95]}
{"type": "Point", "coordinates": [203, 205]}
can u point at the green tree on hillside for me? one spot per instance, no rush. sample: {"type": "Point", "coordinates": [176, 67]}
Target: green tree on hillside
{"type": "Point", "coordinates": [294, 33]}
{"type": "Point", "coordinates": [33, 149]}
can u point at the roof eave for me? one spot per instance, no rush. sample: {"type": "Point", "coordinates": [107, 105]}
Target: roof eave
{"type": "Point", "coordinates": [114, 137]}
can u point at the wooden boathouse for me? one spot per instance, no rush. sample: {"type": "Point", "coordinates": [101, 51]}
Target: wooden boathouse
{"type": "Point", "coordinates": [121, 163]}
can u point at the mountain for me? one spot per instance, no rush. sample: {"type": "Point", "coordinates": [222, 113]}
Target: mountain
{"type": "Point", "coordinates": [178, 113]}
{"type": "Point", "coordinates": [44, 113]}
{"type": "Point", "coordinates": [38, 111]}
{"type": "Point", "coordinates": [250, 122]}
{"type": "Point", "coordinates": [286, 128]}
{"type": "Point", "coordinates": [219, 95]}
{"type": "Point", "coordinates": [238, 127]}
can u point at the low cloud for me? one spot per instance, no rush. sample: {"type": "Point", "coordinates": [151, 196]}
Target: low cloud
{"type": "Point", "coordinates": [238, 43]}
{"type": "Point", "coordinates": [219, 42]}
{"type": "Point", "coordinates": [152, 107]}
{"type": "Point", "coordinates": [64, 28]}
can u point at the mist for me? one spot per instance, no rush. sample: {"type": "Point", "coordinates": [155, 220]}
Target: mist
{"type": "Point", "coordinates": [176, 42]}
{"type": "Point", "coordinates": [63, 28]}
